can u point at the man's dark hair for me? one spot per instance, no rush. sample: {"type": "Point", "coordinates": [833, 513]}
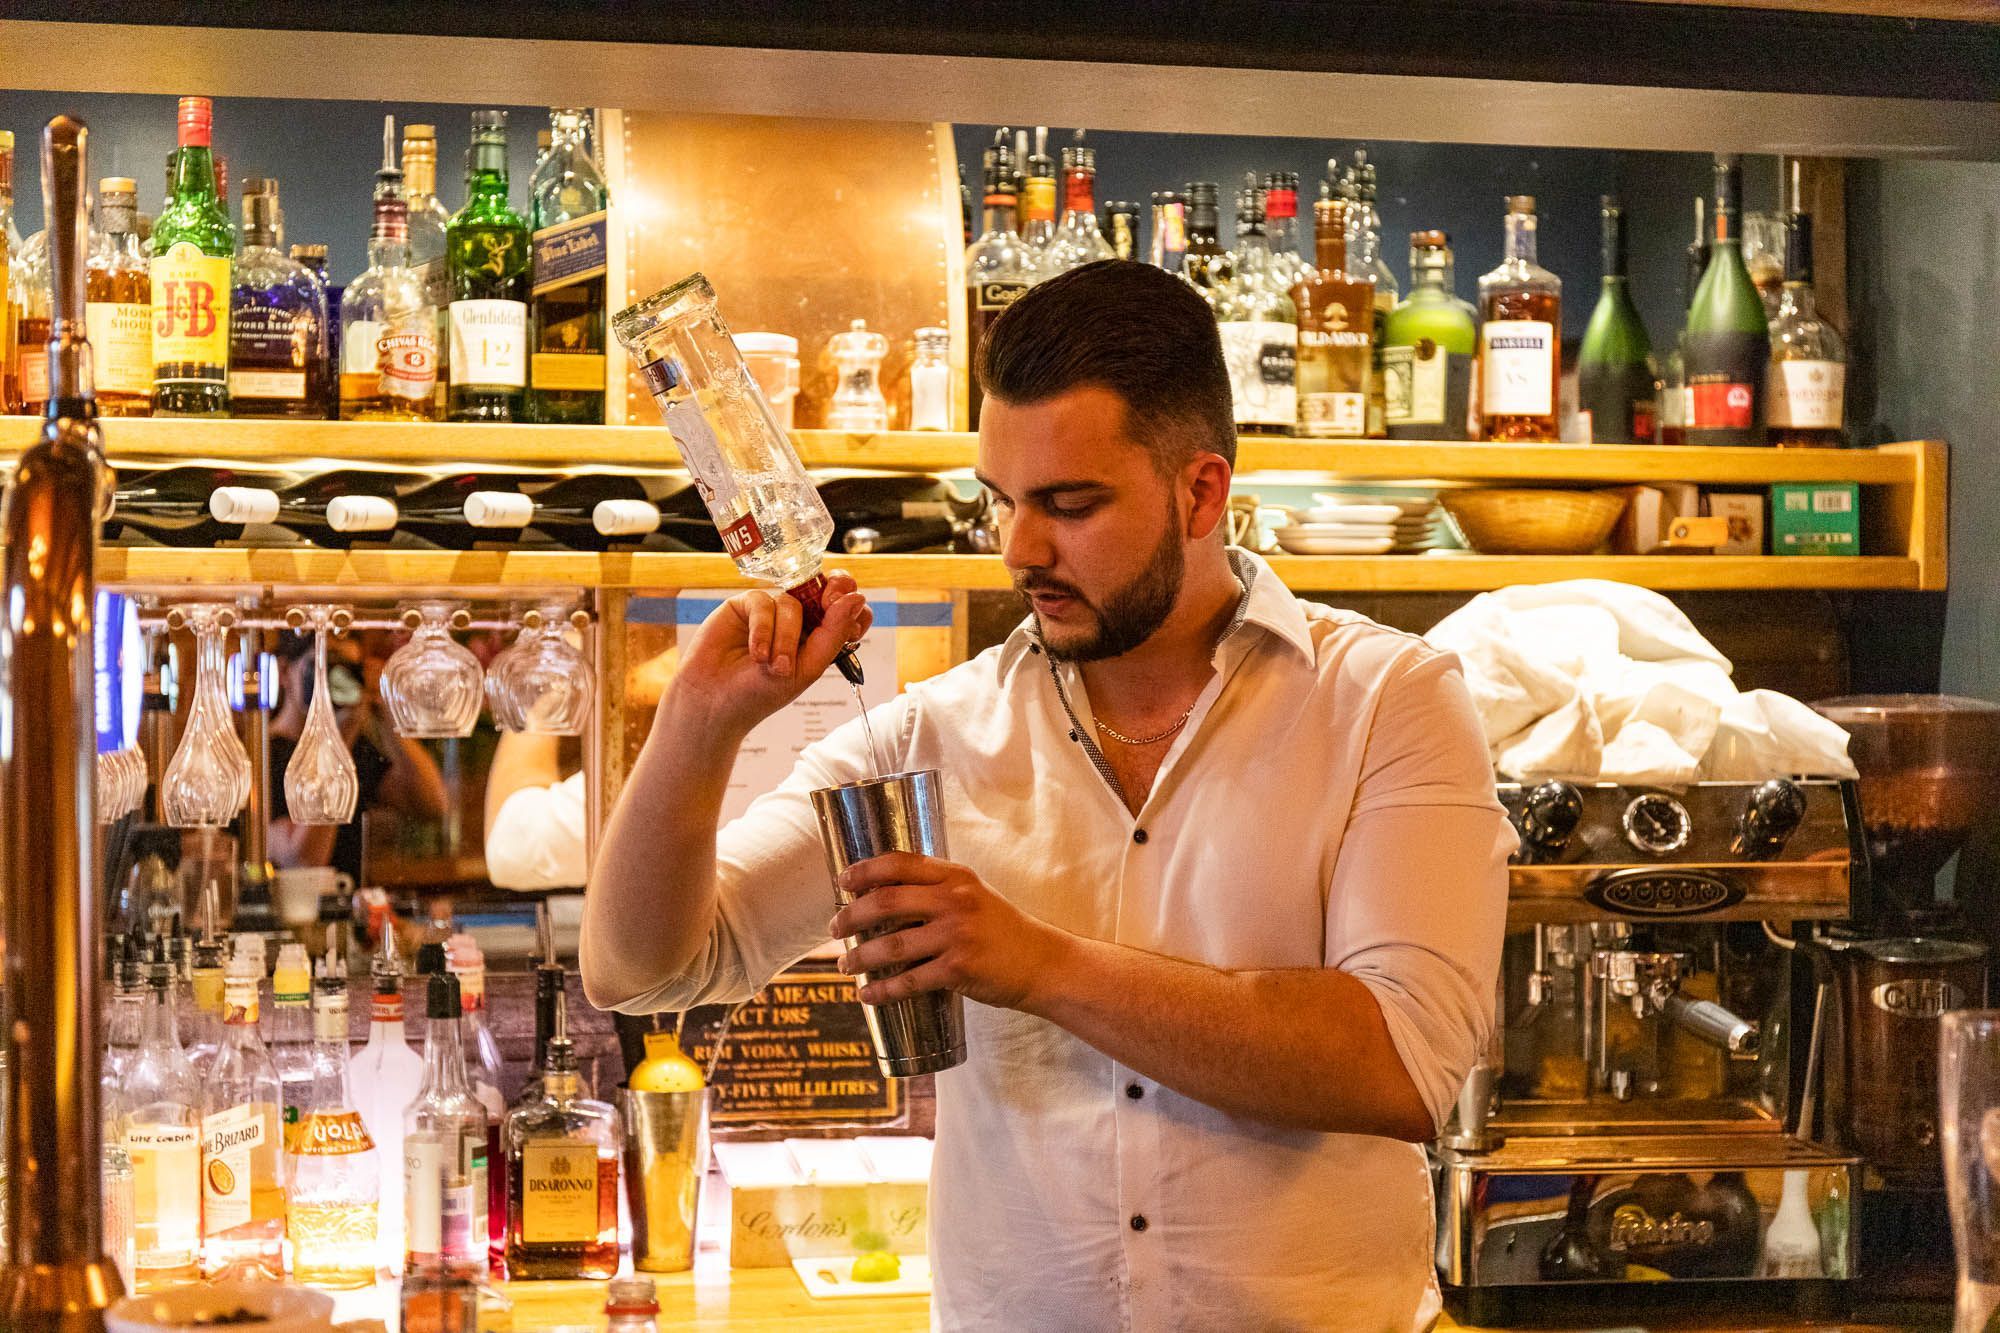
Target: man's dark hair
{"type": "Point", "coordinates": [1128, 327]}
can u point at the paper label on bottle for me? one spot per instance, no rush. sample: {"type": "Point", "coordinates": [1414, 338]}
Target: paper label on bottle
{"type": "Point", "coordinates": [425, 1185]}
{"type": "Point", "coordinates": [489, 344]}
{"type": "Point", "coordinates": [228, 1138]}
{"type": "Point", "coordinates": [1342, 414]}
{"type": "Point", "coordinates": [572, 252]}
{"type": "Point", "coordinates": [1807, 395]}
{"type": "Point", "coordinates": [166, 1191]}
{"type": "Point", "coordinates": [34, 374]}
{"type": "Point", "coordinates": [393, 360]}
{"type": "Point", "coordinates": [121, 345]}
{"type": "Point", "coordinates": [1517, 367]}
{"type": "Point", "coordinates": [558, 1192]}
{"type": "Point", "coordinates": [190, 315]}
{"type": "Point", "coordinates": [1262, 356]}
{"type": "Point", "coordinates": [997, 294]}
{"type": "Point", "coordinates": [580, 371]}
{"type": "Point", "coordinates": [1721, 405]}
{"type": "Point", "coordinates": [332, 1134]}
{"type": "Point", "coordinates": [1416, 384]}
{"type": "Point", "coordinates": [279, 384]}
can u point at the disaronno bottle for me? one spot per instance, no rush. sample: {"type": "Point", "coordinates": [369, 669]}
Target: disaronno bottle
{"type": "Point", "coordinates": [562, 1174]}
{"type": "Point", "coordinates": [1336, 332]}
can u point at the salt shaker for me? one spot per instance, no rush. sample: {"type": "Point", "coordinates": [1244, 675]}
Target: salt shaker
{"type": "Point", "coordinates": [858, 404]}
{"type": "Point", "coordinates": [930, 381]}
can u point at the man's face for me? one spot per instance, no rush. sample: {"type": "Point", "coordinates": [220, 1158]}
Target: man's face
{"type": "Point", "coordinates": [1093, 535]}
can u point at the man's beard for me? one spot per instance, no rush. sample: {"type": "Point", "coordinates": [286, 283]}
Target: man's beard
{"type": "Point", "coordinates": [1130, 615]}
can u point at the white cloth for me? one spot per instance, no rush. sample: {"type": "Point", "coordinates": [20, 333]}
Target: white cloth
{"type": "Point", "coordinates": [1328, 804]}
{"type": "Point", "coordinates": [1595, 680]}
{"type": "Point", "coordinates": [538, 839]}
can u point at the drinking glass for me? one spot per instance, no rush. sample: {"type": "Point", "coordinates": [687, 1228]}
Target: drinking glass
{"type": "Point", "coordinates": [321, 786]}
{"type": "Point", "coordinates": [208, 779]}
{"type": "Point", "coordinates": [548, 685]}
{"type": "Point", "coordinates": [1969, 1116]}
{"type": "Point", "coordinates": [499, 673]}
{"type": "Point", "coordinates": [432, 683]}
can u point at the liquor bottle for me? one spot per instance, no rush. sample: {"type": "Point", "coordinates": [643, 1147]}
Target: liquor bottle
{"type": "Point", "coordinates": [1336, 333]}
{"type": "Point", "coordinates": [312, 258]}
{"type": "Point", "coordinates": [1281, 228]}
{"type": "Point", "coordinates": [444, 1148]}
{"type": "Point", "coordinates": [631, 1305]}
{"type": "Point", "coordinates": [193, 244]}
{"type": "Point", "coordinates": [1675, 406]}
{"type": "Point", "coordinates": [205, 981]}
{"type": "Point", "coordinates": [118, 291]}
{"type": "Point", "coordinates": [1078, 241]}
{"type": "Point", "coordinates": [388, 327]}
{"type": "Point", "coordinates": [1728, 339]}
{"type": "Point", "coordinates": [666, 1067]}
{"type": "Point", "coordinates": [590, 512]}
{"type": "Point", "coordinates": [997, 267]}
{"type": "Point", "coordinates": [562, 1172]}
{"type": "Point", "coordinates": [1205, 264]}
{"type": "Point", "coordinates": [34, 307]}
{"type": "Point", "coordinates": [1807, 378]}
{"type": "Point", "coordinates": [568, 204]}
{"type": "Point", "coordinates": [125, 1029]}
{"type": "Point", "coordinates": [1616, 385]}
{"type": "Point", "coordinates": [334, 509]}
{"type": "Point", "coordinates": [1038, 204]}
{"type": "Point", "coordinates": [1364, 257]}
{"type": "Point", "coordinates": [1121, 228]}
{"type": "Point", "coordinates": [10, 250]}
{"type": "Point", "coordinates": [243, 1186]}
{"type": "Point", "coordinates": [334, 1167]}
{"type": "Point", "coordinates": [291, 1032]}
{"type": "Point", "coordinates": [171, 506]}
{"type": "Point", "coordinates": [1520, 340]}
{"type": "Point", "coordinates": [1167, 242]}
{"type": "Point", "coordinates": [461, 510]}
{"type": "Point", "coordinates": [487, 258]}
{"type": "Point", "coordinates": [1259, 324]}
{"type": "Point", "coordinates": [386, 1074]}
{"type": "Point", "coordinates": [427, 221]}
{"type": "Point", "coordinates": [161, 1132]}
{"type": "Point", "coordinates": [482, 1053]}
{"type": "Point", "coordinates": [277, 320]}
{"type": "Point", "coordinates": [1432, 347]}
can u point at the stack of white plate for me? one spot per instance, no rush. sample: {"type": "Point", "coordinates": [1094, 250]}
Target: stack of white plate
{"type": "Point", "coordinates": [1340, 525]}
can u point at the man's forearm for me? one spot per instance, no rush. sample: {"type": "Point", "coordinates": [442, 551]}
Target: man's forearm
{"type": "Point", "coordinates": [651, 899]}
{"type": "Point", "coordinates": [1306, 1048]}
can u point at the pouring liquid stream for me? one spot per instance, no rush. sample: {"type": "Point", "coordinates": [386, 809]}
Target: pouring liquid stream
{"type": "Point", "coordinates": [875, 766]}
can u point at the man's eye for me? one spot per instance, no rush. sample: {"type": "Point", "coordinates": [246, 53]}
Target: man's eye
{"type": "Point", "coordinates": [1073, 509]}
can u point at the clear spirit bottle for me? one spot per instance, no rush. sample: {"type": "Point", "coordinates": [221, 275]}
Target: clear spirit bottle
{"type": "Point", "coordinates": [562, 1172]}
{"type": "Point", "coordinates": [335, 1180]}
{"type": "Point", "coordinates": [243, 1187]}
{"type": "Point", "coordinates": [1038, 204]}
{"type": "Point", "coordinates": [1520, 340]}
{"type": "Point", "coordinates": [1078, 241]}
{"type": "Point", "coordinates": [482, 1063]}
{"type": "Point", "coordinates": [998, 267]}
{"type": "Point", "coordinates": [118, 310]}
{"type": "Point", "coordinates": [388, 326]}
{"type": "Point", "coordinates": [444, 1150]}
{"type": "Point", "coordinates": [1365, 258]}
{"type": "Point", "coordinates": [205, 982]}
{"type": "Point", "coordinates": [1259, 324]}
{"type": "Point", "coordinates": [277, 320]}
{"type": "Point", "coordinates": [291, 1032]}
{"type": "Point", "coordinates": [161, 1132]}
{"type": "Point", "coordinates": [568, 209]}
{"type": "Point", "coordinates": [1281, 227]}
{"type": "Point", "coordinates": [386, 1076]}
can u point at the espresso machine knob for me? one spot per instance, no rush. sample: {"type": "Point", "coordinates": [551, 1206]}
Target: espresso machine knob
{"type": "Point", "coordinates": [1771, 815]}
{"type": "Point", "coordinates": [1547, 819]}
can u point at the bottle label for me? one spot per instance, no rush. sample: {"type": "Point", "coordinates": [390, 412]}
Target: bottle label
{"type": "Point", "coordinates": [121, 345]}
{"type": "Point", "coordinates": [1517, 360]}
{"type": "Point", "coordinates": [34, 373]}
{"type": "Point", "coordinates": [1721, 405]}
{"type": "Point", "coordinates": [489, 344]}
{"type": "Point", "coordinates": [1334, 413]}
{"type": "Point", "coordinates": [444, 1188]}
{"type": "Point", "coordinates": [166, 1191]}
{"type": "Point", "coordinates": [332, 1134]}
{"type": "Point", "coordinates": [997, 294]}
{"type": "Point", "coordinates": [190, 316]}
{"type": "Point", "coordinates": [228, 1139]}
{"type": "Point", "coordinates": [583, 371]}
{"type": "Point", "coordinates": [330, 1023]}
{"type": "Point", "coordinates": [558, 1192]}
{"type": "Point", "coordinates": [267, 353]}
{"type": "Point", "coordinates": [702, 453]}
{"type": "Point", "coordinates": [1420, 382]}
{"type": "Point", "coordinates": [1807, 395]}
{"type": "Point", "coordinates": [572, 252]}
{"type": "Point", "coordinates": [389, 360]}
{"type": "Point", "coordinates": [1262, 356]}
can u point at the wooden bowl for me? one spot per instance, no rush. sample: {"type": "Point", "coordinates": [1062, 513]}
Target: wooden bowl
{"type": "Point", "coordinates": [1505, 520]}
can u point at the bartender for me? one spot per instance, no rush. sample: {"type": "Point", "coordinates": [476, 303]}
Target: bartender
{"type": "Point", "coordinates": [1228, 879]}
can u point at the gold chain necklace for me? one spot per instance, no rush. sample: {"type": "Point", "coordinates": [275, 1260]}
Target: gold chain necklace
{"type": "Point", "coordinates": [1123, 739]}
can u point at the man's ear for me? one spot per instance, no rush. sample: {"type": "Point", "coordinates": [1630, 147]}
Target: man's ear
{"type": "Point", "coordinates": [1205, 480]}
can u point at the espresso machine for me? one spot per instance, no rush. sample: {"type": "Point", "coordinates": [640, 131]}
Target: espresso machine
{"type": "Point", "coordinates": [1648, 1110]}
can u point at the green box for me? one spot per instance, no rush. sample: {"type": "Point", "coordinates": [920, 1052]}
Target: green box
{"type": "Point", "coordinates": [1816, 518]}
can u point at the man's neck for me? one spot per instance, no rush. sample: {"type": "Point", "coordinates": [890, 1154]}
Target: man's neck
{"type": "Point", "coordinates": [1171, 666]}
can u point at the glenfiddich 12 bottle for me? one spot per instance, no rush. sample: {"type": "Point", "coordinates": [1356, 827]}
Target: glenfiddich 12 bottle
{"type": "Point", "coordinates": [486, 258]}
{"type": "Point", "coordinates": [193, 243]}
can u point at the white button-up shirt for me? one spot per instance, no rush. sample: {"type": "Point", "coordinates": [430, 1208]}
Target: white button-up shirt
{"type": "Point", "coordinates": [1328, 804]}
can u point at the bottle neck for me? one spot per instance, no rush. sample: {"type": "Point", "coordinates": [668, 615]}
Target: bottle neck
{"type": "Point", "coordinates": [194, 174]}
{"type": "Point", "coordinates": [1614, 252]}
{"type": "Point", "coordinates": [1282, 234]}
{"type": "Point", "coordinates": [999, 213]}
{"type": "Point", "coordinates": [1330, 235]}
{"type": "Point", "coordinates": [444, 1056]}
{"type": "Point", "coordinates": [1521, 237]}
{"type": "Point", "coordinates": [419, 175]}
{"type": "Point", "coordinates": [159, 1027]}
{"type": "Point", "coordinates": [1080, 194]}
{"type": "Point", "coordinates": [1429, 273]}
{"type": "Point", "coordinates": [486, 176]}
{"type": "Point", "coordinates": [389, 236]}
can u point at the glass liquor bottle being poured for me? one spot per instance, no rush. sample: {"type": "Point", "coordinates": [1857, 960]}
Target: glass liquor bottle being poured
{"type": "Point", "coordinates": [772, 520]}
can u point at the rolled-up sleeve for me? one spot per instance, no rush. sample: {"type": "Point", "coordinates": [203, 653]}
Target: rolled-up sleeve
{"type": "Point", "coordinates": [1418, 900]}
{"type": "Point", "coordinates": [772, 891]}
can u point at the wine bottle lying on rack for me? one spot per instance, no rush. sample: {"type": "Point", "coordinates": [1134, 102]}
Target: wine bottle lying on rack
{"type": "Point", "coordinates": [594, 511]}
{"type": "Point", "coordinates": [331, 509]}
{"type": "Point", "coordinates": [463, 510]}
{"type": "Point", "coordinates": [171, 506]}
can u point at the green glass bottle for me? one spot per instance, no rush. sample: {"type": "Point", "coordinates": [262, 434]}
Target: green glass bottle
{"type": "Point", "coordinates": [571, 241]}
{"type": "Point", "coordinates": [1616, 387]}
{"type": "Point", "coordinates": [1728, 338]}
{"type": "Point", "coordinates": [194, 243]}
{"type": "Point", "coordinates": [1430, 342]}
{"type": "Point", "coordinates": [486, 264]}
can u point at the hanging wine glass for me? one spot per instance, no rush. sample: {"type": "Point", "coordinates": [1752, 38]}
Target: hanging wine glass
{"type": "Point", "coordinates": [321, 786]}
{"type": "Point", "coordinates": [432, 683]}
{"type": "Point", "coordinates": [552, 686]}
{"type": "Point", "coordinates": [500, 673]}
{"type": "Point", "coordinates": [208, 779]}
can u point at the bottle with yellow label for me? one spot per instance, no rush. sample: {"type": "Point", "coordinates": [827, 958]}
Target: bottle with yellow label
{"type": "Point", "coordinates": [562, 1174]}
{"type": "Point", "coordinates": [193, 242]}
{"type": "Point", "coordinates": [334, 1173]}
{"type": "Point", "coordinates": [160, 1129]}
{"type": "Point", "coordinates": [666, 1067]}
{"type": "Point", "coordinates": [242, 1169]}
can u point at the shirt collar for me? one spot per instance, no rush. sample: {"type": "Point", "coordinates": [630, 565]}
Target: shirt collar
{"type": "Point", "coordinates": [1266, 603]}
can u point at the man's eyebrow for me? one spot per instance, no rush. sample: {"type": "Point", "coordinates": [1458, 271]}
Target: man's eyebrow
{"type": "Point", "coordinates": [1053, 488]}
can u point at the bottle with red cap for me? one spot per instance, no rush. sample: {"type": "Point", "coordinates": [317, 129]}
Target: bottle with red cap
{"type": "Point", "coordinates": [193, 245]}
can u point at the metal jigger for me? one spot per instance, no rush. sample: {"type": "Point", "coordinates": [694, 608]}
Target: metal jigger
{"type": "Point", "coordinates": [862, 820]}
{"type": "Point", "coordinates": [666, 1153]}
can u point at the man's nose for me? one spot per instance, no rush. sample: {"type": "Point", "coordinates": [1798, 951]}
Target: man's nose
{"type": "Point", "coordinates": [1024, 542]}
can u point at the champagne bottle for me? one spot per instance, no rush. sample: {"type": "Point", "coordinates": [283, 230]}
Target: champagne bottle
{"type": "Point", "coordinates": [1728, 340]}
{"type": "Point", "coordinates": [1616, 385]}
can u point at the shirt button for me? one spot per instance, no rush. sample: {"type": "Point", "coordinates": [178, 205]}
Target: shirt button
{"type": "Point", "coordinates": [1035, 648]}
{"type": "Point", "coordinates": [1073, 736]}
{"type": "Point", "coordinates": [1138, 1221]}
{"type": "Point", "coordinates": [1139, 836]}
{"type": "Point", "coordinates": [1134, 1091]}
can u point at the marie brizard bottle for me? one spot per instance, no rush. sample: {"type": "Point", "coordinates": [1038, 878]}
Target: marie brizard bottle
{"type": "Point", "coordinates": [1728, 346]}
{"type": "Point", "coordinates": [562, 1174]}
{"type": "Point", "coordinates": [1616, 387]}
{"type": "Point", "coordinates": [1336, 332]}
{"type": "Point", "coordinates": [997, 266]}
{"type": "Point", "coordinates": [568, 205]}
{"type": "Point", "coordinates": [1520, 342]}
{"type": "Point", "coordinates": [194, 245]}
{"type": "Point", "coordinates": [243, 1162]}
{"type": "Point", "coordinates": [1807, 381]}
{"type": "Point", "coordinates": [487, 259]}
{"type": "Point", "coordinates": [118, 291]}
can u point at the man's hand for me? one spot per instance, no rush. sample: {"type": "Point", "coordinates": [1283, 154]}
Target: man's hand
{"type": "Point", "coordinates": [747, 660]}
{"type": "Point", "coordinates": [959, 934]}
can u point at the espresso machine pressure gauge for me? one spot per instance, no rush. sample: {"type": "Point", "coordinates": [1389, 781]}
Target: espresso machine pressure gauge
{"type": "Point", "coordinates": [1657, 824]}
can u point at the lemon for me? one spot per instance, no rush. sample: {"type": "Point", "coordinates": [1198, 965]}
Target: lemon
{"type": "Point", "coordinates": [877, 1266]}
